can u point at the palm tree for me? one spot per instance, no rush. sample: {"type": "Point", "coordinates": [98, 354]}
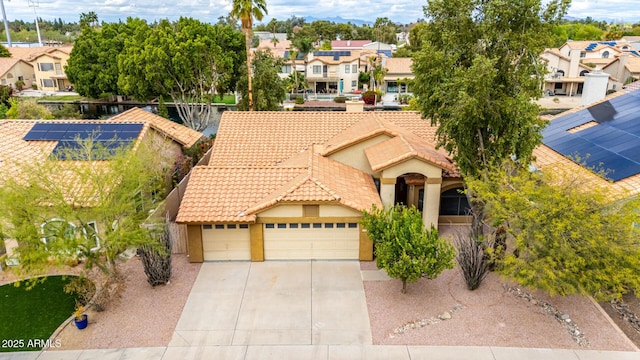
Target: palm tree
{"type": "Point", "coordinates": [246, 11]}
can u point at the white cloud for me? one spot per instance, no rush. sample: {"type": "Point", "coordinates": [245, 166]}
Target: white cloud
{"type": "Point", "coordinates": [210, 10]}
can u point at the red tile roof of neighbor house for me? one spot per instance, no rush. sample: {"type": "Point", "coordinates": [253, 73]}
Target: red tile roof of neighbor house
{"type": "Point", "coordinates": [181, 134]}
{"type": "Point", "coordinates": [399, 66]}
{"type": "Point", "coordinates": [262, 159]}
{"type": "Point", "coordinates": [15, 151]}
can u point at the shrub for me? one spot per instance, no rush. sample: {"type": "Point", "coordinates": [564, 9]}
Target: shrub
{"type": "Point", "coordinates": [299, 99]}
{"type": "Point", "coordinates": [474, 264]}
{"type": "Point", "coordinates": [157, 260]}
{"type": "Point", "coordinates": [340, 99]}
{"type": "Point", "coordinates": [369, 97]}
{"type": "Point", "coordinates": [20, 85]}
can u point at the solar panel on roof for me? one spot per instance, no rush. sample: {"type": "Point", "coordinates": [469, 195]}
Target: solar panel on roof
{"type": "Point", "coordinates": [74, 150]}
{"type": "Point", "coordinates": [614, 143]}
{"type": "Point", "coordinates": [74, 131]}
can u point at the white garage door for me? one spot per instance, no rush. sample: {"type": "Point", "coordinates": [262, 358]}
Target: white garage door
{"type": "Point", "coordinates": [226, 242]}
{"type": "Point", "coordinates": [311, 241]}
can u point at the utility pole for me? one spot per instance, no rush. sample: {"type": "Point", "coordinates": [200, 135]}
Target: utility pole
{"type": "Point", "coordinates": [34, 4]}
{"type": "Point", "coordinates": [6, 23]}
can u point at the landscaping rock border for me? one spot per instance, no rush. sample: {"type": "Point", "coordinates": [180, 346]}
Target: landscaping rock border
{"type": "Point", "coordinates": [447, 315]}
{"type": "Point", "coordinates": [561, 317]}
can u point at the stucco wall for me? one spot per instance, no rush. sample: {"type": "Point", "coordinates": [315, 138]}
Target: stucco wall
{"type": "Point", "coordinates": [355, 157]}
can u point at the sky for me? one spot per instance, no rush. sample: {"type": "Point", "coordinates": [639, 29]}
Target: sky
{"type": "Point", "coordinates": [209, 10]}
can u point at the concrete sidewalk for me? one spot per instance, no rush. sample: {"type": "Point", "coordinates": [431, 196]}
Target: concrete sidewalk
{"type": "Point", "coordinates": [325, 352]}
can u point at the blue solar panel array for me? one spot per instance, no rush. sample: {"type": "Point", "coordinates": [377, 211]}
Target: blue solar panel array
{"type": "Point", "coordinates": [106, 138]}
{"type": "Point", "coordinates": [634, 53]}
{"type": "Point", "coordinates": [613, 145]}
{"type": "Point", "coordinates": [332, 53]}
{"type": "Point", "coordinates": [591, 46]}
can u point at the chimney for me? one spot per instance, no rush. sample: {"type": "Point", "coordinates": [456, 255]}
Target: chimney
{"type": "Point", "coordinates": [355, 106]}
{"type": "Point", "coordinates": [595, 86]}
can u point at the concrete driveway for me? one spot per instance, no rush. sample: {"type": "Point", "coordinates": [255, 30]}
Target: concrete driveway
{"type": "Point", "coordinates": [275, 303]}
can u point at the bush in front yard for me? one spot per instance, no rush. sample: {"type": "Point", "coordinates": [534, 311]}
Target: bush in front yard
{"type": "Point", "coordinates": [299, 100]}
{"type": "Point", "coordinates": [369, 97]}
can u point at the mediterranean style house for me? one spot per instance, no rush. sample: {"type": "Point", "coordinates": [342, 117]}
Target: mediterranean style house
{"type": "Point", "coordinates": [293, 185]}
{"type": "Point", "coordinates": [48, 65]}
{"type": "Point", "coordinates": [33, 141]}
{"type": "Point", "coordinates": [568, 65]}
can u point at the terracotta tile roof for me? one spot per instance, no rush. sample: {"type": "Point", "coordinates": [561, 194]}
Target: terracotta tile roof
{"type": "Point", "coordinates": [183, 135]}
{"type": "Point", "coordinates": [261, 159]}
{"type": "Point", "coordinates": [222, 194]}
{"type": "Point", "coordinates": [237, 194]}
{"type": "Point", "coordinates": [356, 44]}
{"type": "Point", "coordinates": [555, 52]}
{"type": "Point", "coordinates": [402, 148]}
{"type": "Point", "coordinates": [399, 66]}
{"type": "Point", "coordinates": [7, 64]}
{"type": "Point", "coordinates": [269, 138]}
{"type": "Point", "coordinates": [633, 65]}
{"type": "Point", "coordinates": [325, 180]}
{"type": "Point", "coordinates": [31, 53]}
{"type": "Point", "coordinates": [550, 160]}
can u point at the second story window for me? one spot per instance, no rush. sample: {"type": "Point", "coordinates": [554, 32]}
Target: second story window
{"type": "Point", "coordinates": [347, 69]}
{"type": "Point", "coordinates": [286, 69]}
{"type": "Point", "coordinates": [45, 66]}
{"type": "Point", "coordinates": [317, 69]}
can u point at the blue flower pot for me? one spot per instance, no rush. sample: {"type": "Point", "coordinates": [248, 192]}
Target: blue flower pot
{"type": "Point", "coordinates": [81, 324]}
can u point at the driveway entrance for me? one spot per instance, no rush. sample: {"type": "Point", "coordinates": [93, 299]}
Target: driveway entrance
{"type": "Point", "coordinates": [275, 303]}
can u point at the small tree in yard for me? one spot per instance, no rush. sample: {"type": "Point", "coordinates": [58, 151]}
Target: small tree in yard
{"type": "Point", "coordinates": [570, 236]}
{"type": "Point", "coordinates": [404, 248]}
{"type": "Point", "coordinates": [85, 210]}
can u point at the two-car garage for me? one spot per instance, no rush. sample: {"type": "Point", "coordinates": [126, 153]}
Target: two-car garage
{"type": "Point", "coordinates": [283, 241]}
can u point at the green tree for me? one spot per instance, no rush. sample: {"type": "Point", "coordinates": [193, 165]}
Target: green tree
{"type": "Point", "coordinates": [385, 30]}
{"type": "Point", "coordinates": [304, 46]}
{"type": "Point", "coordinates": [67, 111]}
{"type": "Point", "coordinates": [89, 19]}
{"type": "Point", "coordinates": [4, 52]}
{"type": "Point", "coordinates": [27, 109]}
{"type": "Point", "coordinates": [93, 63]}
{"type": "Point", "coordinates": [268, 88]}
{"type": "Point", "coordinates": [59, 200]}
{"type": "Point", "coordinates": [403, 247]}
{"type": "Point", "coordinates": [570, 237]}
{"type": "Point", "coordinates": [197, 61]}
{"type": "Point", "coordinates": [477, 72]}
{"type": "Point", "coordinates": [246, 11]}
{"type": "Point", "coordinates": [162, 108]}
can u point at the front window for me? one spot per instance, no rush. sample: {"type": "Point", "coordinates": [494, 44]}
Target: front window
{"type": "Point", "coordinates": [347, 69]}
{"type": "Point", "coordinates": [354, 68]}
{"type": "Point", "coordinates": [48, 83]}
{"type": "Point", "coordinates": [45, 66]}
{"type": "Point", "coordinates": [454, 202]}
{"type": "Point", "coordinates": [392, 86]}
{"type": "Point", "coordinates": [605, 55]}
{"type": "Point", "coordinates": [317, 69]}
{"type": "Point", "coordinates": [583, 54]}
{"type": "Point", "coordinates": [286, 69]}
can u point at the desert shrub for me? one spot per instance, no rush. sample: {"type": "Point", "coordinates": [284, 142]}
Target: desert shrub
{"type": "Point", "coordinates": [340, 99]}
{"type": "Point", "coordinates": [81, 288]}
{"type": "Point", "coordinates": [157, 260]}
{"type": "Point", "coordinates": [474, 263]}
{"type": "Point", "coordinates": [299, 100]}
{"type": "Point", "coordinates": [369, 97]}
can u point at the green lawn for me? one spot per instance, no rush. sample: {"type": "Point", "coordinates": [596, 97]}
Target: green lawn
{"type": "Point", "coordinates": [228, 99]}
{"type": "Point", "coordinates": [62, 98]}
{"type": "Point", "coordinates": [29, 317]}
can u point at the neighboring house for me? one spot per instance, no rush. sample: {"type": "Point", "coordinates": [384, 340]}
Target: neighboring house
{"type": "Point", "coordinates": [567, 65]}
{"type": "Point", "coordinates": [283, 185]}
{"type": "Point", "coordinates": [12, 70]}
{"type": "Point", "coordinates": [349, 44]}
{"type": "Point", "coordinates": [624, 69]}
{"type": "Point", "coordinates": [334, 71]}
{"type": "Point", "coordinates": [604, 135]}
{"type": "Point", "coordinates": [32, 141]}
{"type": "Point", "coordinates": [395, 80]}
{"type": "Point", "coordinates": [49, 68]}
{"type": "Point", "coordinates": [17, 147]}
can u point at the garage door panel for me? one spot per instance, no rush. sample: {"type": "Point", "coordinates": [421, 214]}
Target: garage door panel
{"type": "Point", "coordinates": [226, 244]}
{"type": "Point", "coordinates": [311, 243]}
